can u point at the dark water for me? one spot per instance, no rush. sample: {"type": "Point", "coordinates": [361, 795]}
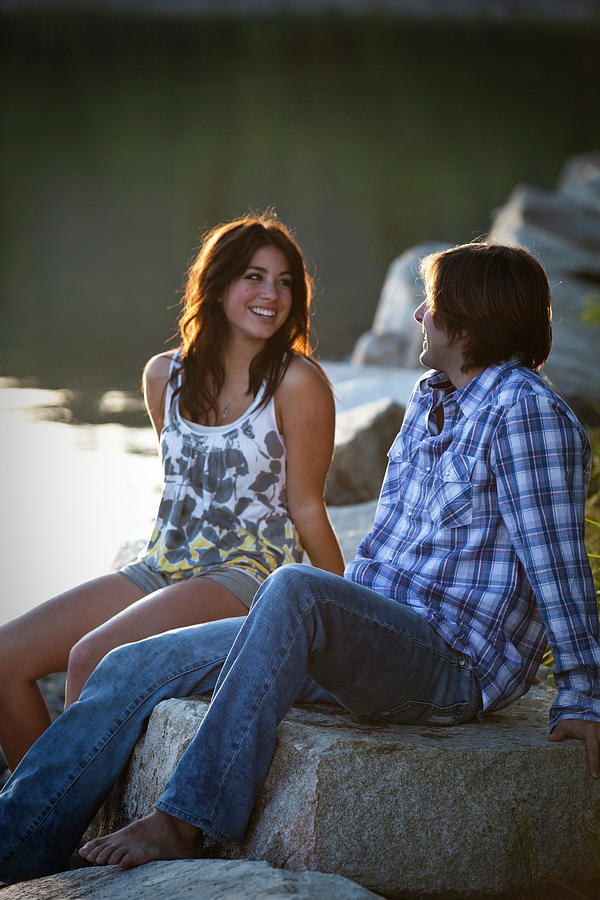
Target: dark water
{"type": "Point", "coordinates": [123, 140]}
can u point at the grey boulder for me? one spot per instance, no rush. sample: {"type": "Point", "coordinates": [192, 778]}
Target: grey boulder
{"type": "Point", "coordinates": [205, 879]}
{"type": "Point", "coordinates": [351, 524]}
{"type": "Point", "coordinates": [559, 227]}
{"type": "Point", "coordinates": [562, 229]}
{"type": "Point", "coordinates": [363, 436]}
{"type": "Point", "coordinates": [395, 338]}
{"type": "Point", "coordinates": [405, 811]}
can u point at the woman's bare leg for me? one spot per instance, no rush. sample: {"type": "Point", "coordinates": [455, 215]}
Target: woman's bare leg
{"type": "Point", "coordinates": [38, 643]}
{"type": "Point", "coordinates": [177, 606]}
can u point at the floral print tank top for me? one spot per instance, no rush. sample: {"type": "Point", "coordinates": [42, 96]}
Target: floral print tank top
{"type": "Point", "coordinates": [224, 501]}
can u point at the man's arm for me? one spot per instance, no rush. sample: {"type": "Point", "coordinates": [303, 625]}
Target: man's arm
{"type": "Point", "coordinates": [540, 461]}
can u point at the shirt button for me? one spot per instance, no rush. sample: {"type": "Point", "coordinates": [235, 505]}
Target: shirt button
{"type": "Point", "coordinates": [461, 661]}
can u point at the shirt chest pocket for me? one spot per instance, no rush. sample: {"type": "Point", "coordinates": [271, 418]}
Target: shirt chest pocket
{"type": "Point", "coordinates": [450, 496]}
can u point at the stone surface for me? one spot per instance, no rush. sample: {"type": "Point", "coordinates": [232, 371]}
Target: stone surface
{"type": "Point", "coordinates": [53, 691]}
{"type": "Point", "coordinates": [369, 409]}
{"type": "Point", "coordinates": [351, 524]}
{"type": "Point", "coordinates": [580, 179]}
{"type": "Point", "coordinates": [357, 385]}
{"type": "Point", "coordinates": [363, 436]}
{"type": "Point", "coordinates": [404, 811]}
{"type": "Point", "coordinates": [562, 229]}
{"type": "Point", "coordinates": [127, 552]}
{"type": "Point", "coordinates": [395, 337]}
{"type": "Point", "coordinates": [205, 879]}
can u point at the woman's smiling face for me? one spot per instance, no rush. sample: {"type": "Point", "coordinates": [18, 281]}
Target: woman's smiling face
{"type": "Point", "coordinates": [258, 302]}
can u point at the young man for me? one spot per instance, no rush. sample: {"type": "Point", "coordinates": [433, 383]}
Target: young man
{"type": "Point", "coordinates": [475, 557]}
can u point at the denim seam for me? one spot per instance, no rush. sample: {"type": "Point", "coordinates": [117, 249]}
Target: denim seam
{"type": "Point", "coordinates": [100, 745]}
{"type": "Point", "coordinates": [260, 701]}
{"type": "Point", "coordinates": [442, 656]}
{"type": "Point", "coordinates": [308, 607]}
{"type": "Point", "coordinates": [454, 707]}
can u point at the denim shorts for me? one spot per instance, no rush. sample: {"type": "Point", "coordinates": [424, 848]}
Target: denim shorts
{"type": "Point", "coordinates": [241, 585]}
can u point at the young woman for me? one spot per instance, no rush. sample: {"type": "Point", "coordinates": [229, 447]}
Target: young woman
{"type": "Point", "coordinates": [245, 421]}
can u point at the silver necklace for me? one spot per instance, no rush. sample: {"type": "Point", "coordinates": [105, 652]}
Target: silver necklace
{"type": "Point", "coordinates": [226, 408]}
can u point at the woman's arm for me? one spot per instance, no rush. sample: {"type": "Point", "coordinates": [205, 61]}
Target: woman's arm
{"type": "Point", "coordinates": [154, 380]}
{"type": "Point", "coordinates": [306, 418]}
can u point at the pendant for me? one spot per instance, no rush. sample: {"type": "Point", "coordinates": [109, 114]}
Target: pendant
{"type": "Point", "coordinates": [225, 411]}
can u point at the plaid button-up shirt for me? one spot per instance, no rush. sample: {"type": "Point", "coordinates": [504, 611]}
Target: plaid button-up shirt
{"type": "Point", "coordinates": [480, 529]}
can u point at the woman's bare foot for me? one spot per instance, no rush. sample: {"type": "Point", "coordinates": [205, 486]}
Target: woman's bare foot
{"type": "Point", "coordinates": [157, 836]}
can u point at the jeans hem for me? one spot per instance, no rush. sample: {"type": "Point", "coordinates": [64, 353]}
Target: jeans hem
{"type": "Point", "coordinates": [73, 777]}
{"type": "Point", "coordinates": [203, 824]}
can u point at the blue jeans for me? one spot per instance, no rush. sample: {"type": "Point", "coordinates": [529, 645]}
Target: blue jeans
{"type": "Point", "coordinates": [310, 635]}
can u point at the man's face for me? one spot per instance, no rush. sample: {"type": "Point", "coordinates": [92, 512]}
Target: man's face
{"type": "Point", "coordinates": [439, 352]}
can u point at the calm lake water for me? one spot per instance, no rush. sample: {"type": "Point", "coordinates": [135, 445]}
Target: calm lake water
{"type": "Point", "coordinates": [71, 495]}
{"type": "Point", "coordinates": [123, 140]}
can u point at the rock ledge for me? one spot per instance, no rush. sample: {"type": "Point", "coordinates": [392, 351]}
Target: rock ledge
{"type": "Point", "coordinates": [404, 811]}
{"type": "Point", "coordinates": [209, 879]}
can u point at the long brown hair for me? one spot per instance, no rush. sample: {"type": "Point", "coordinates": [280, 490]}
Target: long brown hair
{"type": "Point", "coordinates": [499, 295]}
{"type": "Point", "coordinates": [224, 255]}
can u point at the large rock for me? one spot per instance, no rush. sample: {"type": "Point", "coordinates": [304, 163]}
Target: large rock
{"type": "Point", "coordinates": [356, 385]}
{"type": "Point", "coordinates": [205, 879]}
{"type": "Point", "coordinates": [351, 524]}
{"type": "Point", "coordinates": [580, 179]}
{"type": "Point", "coordinates": [128, 552]}
{"type": "Point", "coordinates": [363, 436]}
{"type": "Point", "coordinates": [570, 224]}
{"type": "Point", "coordinates": [408, 812]}
{"type": "Point", "coordinates": [370, 404]}
{"type": "Point", "coordinates": [562, 229]}
{"type": "Point", "coordinates": [395, 338]}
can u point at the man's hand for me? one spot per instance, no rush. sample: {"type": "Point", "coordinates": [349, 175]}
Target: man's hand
{"type": "Point", "coordinates": [582, 730]}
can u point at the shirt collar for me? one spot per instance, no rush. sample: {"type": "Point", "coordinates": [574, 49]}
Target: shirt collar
{"type": "Point", "coordinates": [470, 397]}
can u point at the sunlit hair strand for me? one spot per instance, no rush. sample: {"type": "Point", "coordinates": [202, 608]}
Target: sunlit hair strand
{"type": "Point", "coordinates": [224, 255]}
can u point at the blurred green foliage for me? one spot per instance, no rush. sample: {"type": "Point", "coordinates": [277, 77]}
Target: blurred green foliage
{"type": "Point", "coordinates": [592, 532]}
{"type": "Point", "coordinates": [594, 490]}
{"type": "Point", "coordinates": [591, 314]}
